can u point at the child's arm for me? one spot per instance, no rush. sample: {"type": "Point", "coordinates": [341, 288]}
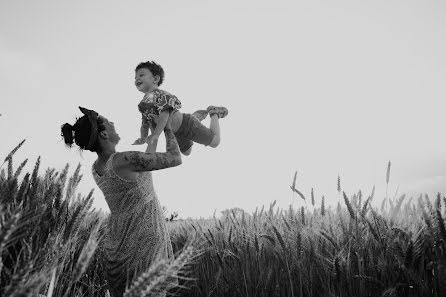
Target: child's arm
{"type": "Point", "coordinates": [149, 161]}
{"type": "Point", "coordinates": [144, 129]}
{"type": "Point", "coordinates": [153, 142]}
{"type": "Point", "coordinates": [161, 124]}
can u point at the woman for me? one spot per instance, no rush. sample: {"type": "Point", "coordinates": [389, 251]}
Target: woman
{"type": "Point", "coordinates": [137, 234]}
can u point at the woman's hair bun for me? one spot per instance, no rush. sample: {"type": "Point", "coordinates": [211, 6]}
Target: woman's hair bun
{"type": "Point", "coordinates": [67, 134]}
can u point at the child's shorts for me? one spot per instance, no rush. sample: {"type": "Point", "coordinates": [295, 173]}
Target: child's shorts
{"type": "Point", "coordinates": [192, 130]}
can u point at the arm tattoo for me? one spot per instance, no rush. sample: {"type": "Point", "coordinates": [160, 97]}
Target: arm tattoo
{"type": "Point", "coordinates": [156, 161]}
{"type": "Point", "coordinates": [138, 161]}
{"type": "Point", "coordinates": [150, 162]}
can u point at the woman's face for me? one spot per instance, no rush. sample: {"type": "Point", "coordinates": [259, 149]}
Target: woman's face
{"type": "Point", "coordinates": [110, 129]}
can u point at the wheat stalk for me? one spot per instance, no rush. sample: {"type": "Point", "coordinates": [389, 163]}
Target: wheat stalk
{"type": "Point", "coordinates": [323, 206]}
{"type": "Point", "coordinates": [349, 206]}
{"type": "Point", "coordinates": [387, 177]}
{"type": "Point", "coordinates": [160, 275]}
{"type": "Point", "coordinates": [9, 156]}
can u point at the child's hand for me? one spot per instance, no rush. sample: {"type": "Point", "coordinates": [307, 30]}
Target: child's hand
{"type": "Point", "coordinates": [152, 138]}
{"type": "Point", "coordinates": [139, 141]}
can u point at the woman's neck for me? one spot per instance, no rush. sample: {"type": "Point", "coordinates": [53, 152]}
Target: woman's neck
{"type": "Point", "coordinates": [105, 155]}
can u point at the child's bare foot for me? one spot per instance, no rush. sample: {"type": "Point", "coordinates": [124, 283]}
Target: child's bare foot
{"type": "Point", "coordinates": [220, 111]}
{"type": "Point", "coordinates": [200, 114]}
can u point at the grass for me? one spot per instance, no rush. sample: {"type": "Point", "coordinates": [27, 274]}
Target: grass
{"type": "Point", "coordinates": [50, 244]}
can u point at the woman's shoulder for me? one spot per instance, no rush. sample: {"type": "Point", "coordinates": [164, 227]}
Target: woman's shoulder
{"type": "Point", "coordinates": [119, 166]}
{"type": "Point", "coordinates": [116, 160]}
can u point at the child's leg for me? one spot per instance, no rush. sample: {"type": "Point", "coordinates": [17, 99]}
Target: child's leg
{"type": "Point", "coordinates": [177, 125]}
{"type": "Point", "coordinates": [195, 131]}
{"type": "Point", "coordinates": [215, 128]}
{"type": "Point", "coordinates": [200, 114]}
{"type": "Point", "coordinates": [190, 131]}
{"type": "Point", "coordinates": [215, 114]}
{"type": "Point", "coordinates": [184, 144]}
{"type": "Point", "coordinates": [187, 153]}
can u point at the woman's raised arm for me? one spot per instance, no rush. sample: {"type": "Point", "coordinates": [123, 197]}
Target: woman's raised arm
{"type": "Point", "coordinates": [149, 161]}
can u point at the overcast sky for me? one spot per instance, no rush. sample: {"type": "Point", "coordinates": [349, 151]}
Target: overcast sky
{"type": "Point", "coordinates": [321, 87]}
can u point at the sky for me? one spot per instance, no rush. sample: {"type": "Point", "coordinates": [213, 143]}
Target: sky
{"type": "Point", "coordinates": [324, 88]}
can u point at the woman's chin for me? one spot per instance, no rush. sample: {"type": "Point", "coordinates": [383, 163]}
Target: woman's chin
{"type": "Point", "coordinates": [116, 141]}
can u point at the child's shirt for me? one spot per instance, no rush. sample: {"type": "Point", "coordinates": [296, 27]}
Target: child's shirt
{"type": "Point", "coordinates": [157, 101]}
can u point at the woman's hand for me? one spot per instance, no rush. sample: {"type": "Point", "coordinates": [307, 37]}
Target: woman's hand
{"type": "Point", "coordinates": [151, 139]}
{"type": "Point", "coordinates": [151, 160]}
{"type": "Point", "coordinates": [139, 141]}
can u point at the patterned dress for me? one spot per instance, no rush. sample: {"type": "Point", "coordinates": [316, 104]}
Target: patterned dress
{"type": "Point", "coordinates": [137, 234]}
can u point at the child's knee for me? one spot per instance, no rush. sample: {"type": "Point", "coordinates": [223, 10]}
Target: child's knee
{"type": "Point", "coordinates": [215, 141]}
{"type": "Point", "coordinates": [187, 153]}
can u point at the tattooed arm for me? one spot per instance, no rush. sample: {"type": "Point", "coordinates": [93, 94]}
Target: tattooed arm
{"type": "Point", "coordinates": [149, 161]}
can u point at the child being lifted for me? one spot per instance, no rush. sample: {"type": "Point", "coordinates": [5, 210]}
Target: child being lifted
{"type": "Point", "coordinates": [187, 128]}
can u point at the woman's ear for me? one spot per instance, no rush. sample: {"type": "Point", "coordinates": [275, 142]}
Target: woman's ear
{"type": "Point", "coordinates": [103, 134]}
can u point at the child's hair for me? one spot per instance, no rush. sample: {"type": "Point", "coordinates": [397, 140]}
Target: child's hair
{"type": "Point", "coordinates": [154, 68]}
{"type": "Point", "coordinates": [80, 133]}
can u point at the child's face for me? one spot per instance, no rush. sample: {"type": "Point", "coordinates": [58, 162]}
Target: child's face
{"type": "Point", "coordinates": [145, 81]}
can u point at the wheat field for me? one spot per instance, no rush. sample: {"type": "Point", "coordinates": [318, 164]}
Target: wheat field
{"type": "Point", "coordinates": [50, 245]}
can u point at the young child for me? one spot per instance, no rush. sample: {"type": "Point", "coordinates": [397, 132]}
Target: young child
{"type": "Point", "coordinates": [156, 102]}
